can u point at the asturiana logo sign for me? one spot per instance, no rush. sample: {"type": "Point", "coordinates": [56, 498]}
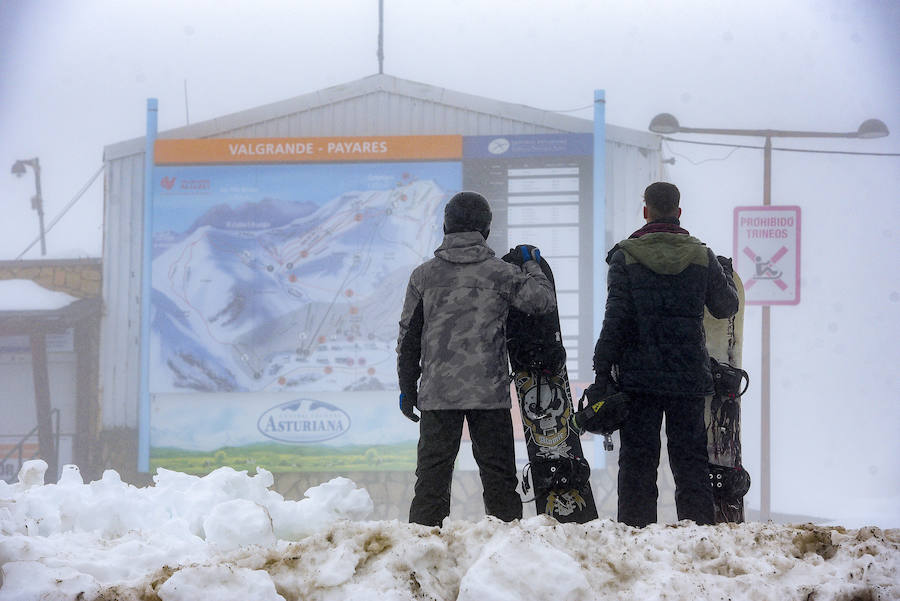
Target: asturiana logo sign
{"type": "Point", "coordinates": [303, 420]}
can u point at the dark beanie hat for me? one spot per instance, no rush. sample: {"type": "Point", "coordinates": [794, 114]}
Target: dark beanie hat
{"type": "Point", "coordinates": [467, 212]}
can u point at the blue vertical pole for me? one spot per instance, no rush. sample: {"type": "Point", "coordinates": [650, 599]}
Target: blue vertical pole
{"type": "Point", "coordinates": [598, 264]}
{"type": "Point", "coordinates": [600, 242]}
{"type": "Point", "coordinates": [147, 256]}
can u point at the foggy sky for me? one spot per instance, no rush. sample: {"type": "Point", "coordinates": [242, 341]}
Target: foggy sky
{"type": "Point", "coordinates": [75, 77]}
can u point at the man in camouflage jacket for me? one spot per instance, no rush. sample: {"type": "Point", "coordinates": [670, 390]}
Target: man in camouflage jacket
{"type": "Point", "coordinates": [453, 335]}
{"type": "Point", "coordinates": [653, 340]}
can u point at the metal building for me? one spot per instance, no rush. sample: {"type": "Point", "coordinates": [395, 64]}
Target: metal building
{"type": "Point", "coordinates": [375, 105]}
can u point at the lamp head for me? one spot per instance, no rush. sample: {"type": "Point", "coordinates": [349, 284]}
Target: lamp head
{"type": "Point", "coordinates": [664, 123]}
{"type": "Point", "coordinates": [18, 169]}
{"type": "Point", "coordinates": [872, 128]}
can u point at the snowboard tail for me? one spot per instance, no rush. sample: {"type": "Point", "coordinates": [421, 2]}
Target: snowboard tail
{"type": "Point", "coordinates": [558, 470]}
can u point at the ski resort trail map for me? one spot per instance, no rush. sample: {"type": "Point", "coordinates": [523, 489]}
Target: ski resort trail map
{"type": "Point", "coordinates": [291, 279]}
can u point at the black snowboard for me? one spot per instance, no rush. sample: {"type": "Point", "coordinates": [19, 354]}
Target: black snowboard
{"type": "Point", "coordinates": [559, 472]}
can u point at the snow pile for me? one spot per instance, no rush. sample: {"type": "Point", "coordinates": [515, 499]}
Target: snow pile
{"type": "Point", "coordinates": [88, 536]}
{"type": "Point", "coordinates": [226, 536]}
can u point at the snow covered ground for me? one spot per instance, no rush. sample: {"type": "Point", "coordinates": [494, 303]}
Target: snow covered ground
{"type": "Point", "coordinates": [227, 536]}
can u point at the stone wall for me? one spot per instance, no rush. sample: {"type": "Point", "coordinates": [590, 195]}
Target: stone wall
{"type": "Point", "coordinates": [80, 278]}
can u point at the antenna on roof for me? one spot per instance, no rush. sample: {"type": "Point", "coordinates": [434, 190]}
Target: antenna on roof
{"type": "Point", "coordinates": [380, 37]}
{"type": "Point", "coordinates": [187, 115]}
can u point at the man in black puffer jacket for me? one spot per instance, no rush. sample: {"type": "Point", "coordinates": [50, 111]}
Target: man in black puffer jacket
{"type": "Point", "coordinates": [652, 345]}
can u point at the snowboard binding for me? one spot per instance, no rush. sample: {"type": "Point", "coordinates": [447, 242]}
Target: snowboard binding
{"type": "Point", "coordinates": [557, 474]}
{"type": "Point", "coordinates": [537, 355]}
{"type": "Point", "coordinates": [724, 407]}
{"type": "Point", "coordinates": [543, 361]}
{"type": "Point", "coordinates": [727, 380]}
{"type": "Point", "coordinates": [729, 484]}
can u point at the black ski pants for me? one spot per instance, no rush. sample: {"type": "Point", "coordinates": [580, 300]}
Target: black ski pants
{"type": "Point", "coordinates": [492, 446]}
{"type": "Point", "coordinates": [639, 459]}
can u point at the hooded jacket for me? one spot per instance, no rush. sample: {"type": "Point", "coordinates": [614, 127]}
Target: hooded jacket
{"type": "Point", "coordinates": [453, 324]}
{"type": "Point", "coordinates": [659, 281]}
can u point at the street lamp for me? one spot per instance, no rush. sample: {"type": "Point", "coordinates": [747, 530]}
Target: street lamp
{"type": "Point", "coordinates": [37, 201]}
{"type": "Point", "coordinates": [666, 123]}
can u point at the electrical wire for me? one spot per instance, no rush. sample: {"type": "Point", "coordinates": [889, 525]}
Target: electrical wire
{"type": "Point", "coordinates": [783, 149]}
{"type": "Point", "coordinates": [581, 108]}
{"type": "Point", "coordinates": [692, 162]}
{"type": "Point", "coordinates": [65, 210]}
{"type": "Point", "coordinates": [870, 154]}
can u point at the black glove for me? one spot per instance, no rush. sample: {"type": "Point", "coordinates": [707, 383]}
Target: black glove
{"type": "Point", "coordinates": [596, 391]}
{"type": "Point", "coordinates": [725, 262]}
{"type": "Point", "coordinates": [529, 253]}
{"type": "Point", "coordinates": [407, 403]}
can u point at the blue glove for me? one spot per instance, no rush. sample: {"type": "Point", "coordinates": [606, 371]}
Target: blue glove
{"type": "Point", "coordinates": [406, 405]}
{"type": "Point", "coordinates": [530, 253]}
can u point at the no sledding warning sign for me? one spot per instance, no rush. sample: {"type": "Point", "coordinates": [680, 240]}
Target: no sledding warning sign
{"type": "Point", "coordinates": [767, 253]}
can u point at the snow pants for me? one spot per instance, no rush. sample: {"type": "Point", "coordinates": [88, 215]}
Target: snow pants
{"type": "Point", "coordinates": [492, 446]}
{"type": "Point", "coordinates": [639, 459]}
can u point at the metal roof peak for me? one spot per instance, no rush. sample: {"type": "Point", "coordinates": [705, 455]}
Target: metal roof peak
{"type": "Point", "coordinates": [380, 83]}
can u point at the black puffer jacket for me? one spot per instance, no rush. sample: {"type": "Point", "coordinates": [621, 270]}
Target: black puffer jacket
{"type": "Point", "coordinates": [659, 281]}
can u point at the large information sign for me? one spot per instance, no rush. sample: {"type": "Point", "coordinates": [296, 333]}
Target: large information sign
{"type": "Point", "coordinates": [278, 272]}
{"type": "Point", "coordinates": [538, 185]}
{"type": "Point", "coordinates": [767, 253]}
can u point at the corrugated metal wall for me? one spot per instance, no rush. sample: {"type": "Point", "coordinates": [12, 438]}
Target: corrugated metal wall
{"type": "Point", "coordinates": [120, 326]}
{"type": "Point", "coordinates": [629, 169]}
{"type": "Point", "coordinates": [389, 107]}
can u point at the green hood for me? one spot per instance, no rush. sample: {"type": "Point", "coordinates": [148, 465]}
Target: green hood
{"type": "Point", "coordinates": [664, 253]}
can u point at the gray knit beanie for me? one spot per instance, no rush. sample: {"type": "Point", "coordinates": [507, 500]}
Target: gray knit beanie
{"type": "Point", "coordinates": [467, 212]}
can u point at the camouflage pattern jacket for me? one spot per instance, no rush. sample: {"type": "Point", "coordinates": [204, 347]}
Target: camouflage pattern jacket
{"type": "Point", "coordinates": [453, 325]}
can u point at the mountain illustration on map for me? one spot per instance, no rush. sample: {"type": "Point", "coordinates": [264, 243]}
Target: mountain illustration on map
{"type": "Point", "coordinates": [268, 212]}
{"type": "Point", "coordinates": [265, 214]}
{"type": "Point", "coordinates": [279, 295]}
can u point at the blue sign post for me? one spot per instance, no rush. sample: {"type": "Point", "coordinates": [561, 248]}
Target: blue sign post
{"type": "Point", "coordinates": [599, 296]}
{"type": "Point", "coordinates": [147, 248]}
{"type": "Point", "coordinates": [600, 241]}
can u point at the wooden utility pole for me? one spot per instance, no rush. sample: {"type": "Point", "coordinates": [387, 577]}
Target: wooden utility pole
{"type": "Point", "coordinates": [46, 443]}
